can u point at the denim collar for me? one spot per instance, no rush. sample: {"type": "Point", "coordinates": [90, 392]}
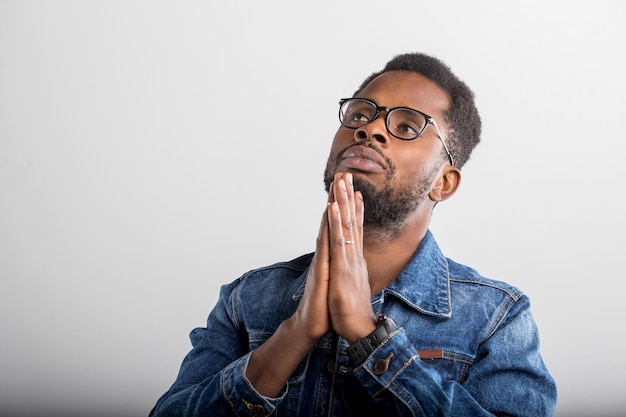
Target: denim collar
{"type": "Point", "coordinates": [423, 284]}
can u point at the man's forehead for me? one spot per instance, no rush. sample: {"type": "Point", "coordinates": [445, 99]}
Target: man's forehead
{"type": "Point", "coordinates": [405, 88]}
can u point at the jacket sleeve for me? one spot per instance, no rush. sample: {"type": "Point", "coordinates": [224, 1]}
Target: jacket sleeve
{"type": "Point", "coordinates": [508, 376]}
{"type": "Point", "coordinates": [211, 380]}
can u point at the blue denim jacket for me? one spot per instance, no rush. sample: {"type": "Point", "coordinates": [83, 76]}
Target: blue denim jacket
{"type": "Point", "coordinates": [467, 346]}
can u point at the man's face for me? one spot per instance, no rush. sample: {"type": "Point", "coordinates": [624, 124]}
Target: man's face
{"type": "Point", "coordinates": [393, 175]}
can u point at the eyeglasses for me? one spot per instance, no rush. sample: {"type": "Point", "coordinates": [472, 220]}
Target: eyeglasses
{"type": "Point", "coordinates": [401, 122]}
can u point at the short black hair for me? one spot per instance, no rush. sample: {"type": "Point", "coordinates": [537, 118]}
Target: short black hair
{"type": "Point", "coordinates": [462, 117]}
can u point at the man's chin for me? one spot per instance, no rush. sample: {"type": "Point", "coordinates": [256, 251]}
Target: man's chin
{"type": "Point", "coordinates": [364, 185]}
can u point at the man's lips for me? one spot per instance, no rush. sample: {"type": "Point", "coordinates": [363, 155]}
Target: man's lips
{"type": "Point", "coordinates": [362, 158]}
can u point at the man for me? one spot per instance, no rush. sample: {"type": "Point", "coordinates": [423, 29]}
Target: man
{"type": "Point", "coordinates": [377, 322]}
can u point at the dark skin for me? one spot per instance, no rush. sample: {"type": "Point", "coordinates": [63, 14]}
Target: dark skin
{"type": "Point", "coordinates": [343, 276]}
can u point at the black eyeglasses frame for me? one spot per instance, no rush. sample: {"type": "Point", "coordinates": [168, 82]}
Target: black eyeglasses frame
{"type": "Point", "coordinates": [429, 121]}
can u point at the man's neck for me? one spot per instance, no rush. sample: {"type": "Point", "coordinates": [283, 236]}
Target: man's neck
{"type": "Point", "coordinates": [386, 258]}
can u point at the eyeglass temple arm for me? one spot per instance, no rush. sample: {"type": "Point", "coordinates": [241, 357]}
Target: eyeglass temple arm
{"type": "Point", "coordinates": [434, 123]}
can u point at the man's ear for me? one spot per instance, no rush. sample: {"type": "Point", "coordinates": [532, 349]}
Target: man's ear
{"type": "Point", "coordinates": [446, 184]}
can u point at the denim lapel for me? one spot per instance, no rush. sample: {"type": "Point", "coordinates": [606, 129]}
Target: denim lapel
{"type": "Point", "coordinates": [424, 284]}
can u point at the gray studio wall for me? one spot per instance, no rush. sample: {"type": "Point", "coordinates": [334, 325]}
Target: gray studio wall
{"type": "Point", "coordinates": [151, 151]}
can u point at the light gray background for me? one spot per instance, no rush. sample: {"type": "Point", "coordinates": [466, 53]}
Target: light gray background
{"type": "Point", "coordinates": [151, 151]}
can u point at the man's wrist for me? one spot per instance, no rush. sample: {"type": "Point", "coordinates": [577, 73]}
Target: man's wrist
{"type": "Point", "coordinates": [359, 351]}
{"type": "Point", "coordinates": [363, 331]}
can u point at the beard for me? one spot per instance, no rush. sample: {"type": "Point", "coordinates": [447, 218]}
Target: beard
{"type": "Point", "coordinates": [386, 207]}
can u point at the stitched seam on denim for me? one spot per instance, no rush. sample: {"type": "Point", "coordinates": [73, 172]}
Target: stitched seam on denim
{"type": "Point", "coordinates": [512, 292]}
{"type": "Point", "coordinates": [466, 361]}
{"type": "Point", "coordinates": [258, 337]}
{"type": "Point", "coordinates": [416, 307]}
{"type": "Point", "coordinates": [293, 265]}
{"type": "Point", "coordinates": [298, 390]}
{"type": "Point", "coordinates": [324, 381]}
{"type": "Point", "coordinates": [320, 386]}
{"type": "Point", "coordinates": [235, 310]}
{"type": "Point", "coordinates": [223, 383]}
{"type": "Point", "coordinates": [457, 357]}
{"type": "Point", "coordinates": [402, 395]}
{"type": "Point", "coordinates": [404, 366]}
{"type": "Point", "coordinates": [502, 313]}
{"type": "Point", "coordinates": [384, 342]}
{"type": "Point", "coordinates": [407, 399]}
{"type": "Point", "coordinates": [448, 290]}
{"type": "Point", "coordinates": [463, 374]}
{"type": "Point", "coordinates": [400, 296]}
{"type": "Point", "coordinates": [301, 371]}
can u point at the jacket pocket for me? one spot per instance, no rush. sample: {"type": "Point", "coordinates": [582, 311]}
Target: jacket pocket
{"type": "Point", "coordinates": [450, 365]}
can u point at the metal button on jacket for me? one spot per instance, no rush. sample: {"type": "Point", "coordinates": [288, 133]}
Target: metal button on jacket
{"type": "Point", "coordinates": [330, 366]}
{"type": "Point", "coordinates": [257, 411]}
{"type": "Point", "coordinates": [381, 365]}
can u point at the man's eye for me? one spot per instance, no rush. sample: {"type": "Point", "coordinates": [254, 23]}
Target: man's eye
{"type": "Point", "coordinates": [359, 117]}
{"type": "Point", "coordinates": [407, 128]}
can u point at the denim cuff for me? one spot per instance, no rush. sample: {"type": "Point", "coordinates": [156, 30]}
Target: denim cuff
{"type": "Point", "coordinates": [239, 392]}
{"type": "Point", "coordinates": [388, 362]}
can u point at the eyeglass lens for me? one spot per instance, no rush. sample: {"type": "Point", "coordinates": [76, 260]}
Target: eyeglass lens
{"type": "Point", "coordinates": [401, 122]}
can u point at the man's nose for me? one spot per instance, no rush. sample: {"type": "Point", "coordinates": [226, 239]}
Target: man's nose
{"type": "Point", "coordinates": [376, 130]}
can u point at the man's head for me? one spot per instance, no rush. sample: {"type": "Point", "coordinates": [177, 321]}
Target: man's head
{"type": "Point", "coordinates": [403, 179]}
{"type": "Point", "coordinates": [462, 118]}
